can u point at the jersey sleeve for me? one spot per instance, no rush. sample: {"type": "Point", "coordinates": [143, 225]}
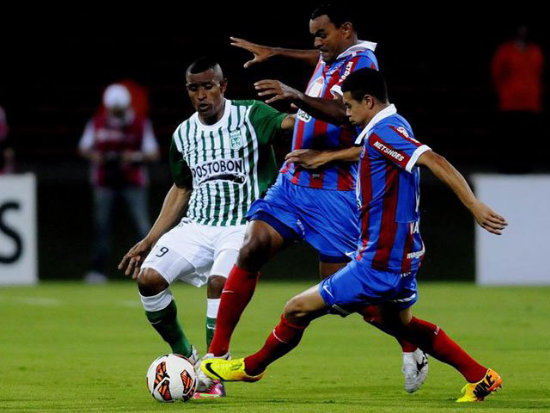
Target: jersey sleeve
{"type": "Point", "coordinates": [266, 121]}
{"type": "Point", "coordinates": [86, 142]}
{"type": "Point", "coordinates": [360, 61]}
{"type": "Point", "coordinates": [149, 144]}
{"type": "Point", "coordinates": [181, 173]}
{"type": "Point", "coordinates": [395, 145]}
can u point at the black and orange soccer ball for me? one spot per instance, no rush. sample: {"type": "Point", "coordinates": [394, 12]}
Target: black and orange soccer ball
{"type": "Point", "coordinates": [171, 378]}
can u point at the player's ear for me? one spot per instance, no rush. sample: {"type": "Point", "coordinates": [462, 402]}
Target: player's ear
{"type": "Point", "coordinates": [223, 85]}
{"type": "Point", "coordinates": [367, 100]}
{"type": "Point", "coordinates": [347, 29]}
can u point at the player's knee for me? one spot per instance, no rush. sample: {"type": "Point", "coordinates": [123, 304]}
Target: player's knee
{"type": "Point", "coordinates": [372, 314]}
{"type": "Point", "coordinates": [296, 310]}
{"type": "Point", "coordinates": [254, 252]}
{"type": "Point", "coordinates": [215, 286]}
{"type": "Point", "coordinates": [151, 282]}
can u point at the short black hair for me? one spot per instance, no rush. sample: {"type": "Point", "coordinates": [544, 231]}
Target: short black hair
{"type": "Point", "coordinates": [338, 15]}
{"type": "Point", "coordinates": [366, 82]}
{"type": "Point", "coordinates": [202, 64]}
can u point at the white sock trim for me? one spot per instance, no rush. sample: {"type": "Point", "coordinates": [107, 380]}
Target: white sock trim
{"type": "Point", "coordinates": [157, 302]}
{"type": "Point", "coordinates": [212, 307]}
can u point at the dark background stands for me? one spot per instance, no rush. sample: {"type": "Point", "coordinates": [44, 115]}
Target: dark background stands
{"type": "Point", "coordinates": [437, 63]}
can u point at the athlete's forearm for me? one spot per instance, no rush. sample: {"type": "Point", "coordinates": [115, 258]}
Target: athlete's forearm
{"type": "Point", "coordinates": [448, 174]}
{"type": "Point", "coordinates": [262, 53]}
{"type": "Point", "coordinates": [313, 159]}
{"type": "Point", "coordinates": [484, 216]}
{"type": "Point", "coordinates": [174, 206]}
{"type": "Point", "coordinates": [350, 154]}
{"type": "Point", "coordinates": [140, 156]}
{"type": "Point", "coordinates": [151, 156]}
{"type": "Point", "coordinates": [331, 111]}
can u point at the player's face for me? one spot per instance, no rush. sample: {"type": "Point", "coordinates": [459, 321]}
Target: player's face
{"type": "Point", "coordinates": [206, 91]}
{"type": "Point", "coordinates": [358, 113]}
{"type": "Point", "coordinates": [329, 39]}
{"type": "Point", "coordinates": [118, 112]}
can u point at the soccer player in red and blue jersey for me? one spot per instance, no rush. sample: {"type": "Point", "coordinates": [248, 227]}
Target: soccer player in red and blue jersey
{"type": "Point", "coordinates": [317, 205]}
{"type": "Point", "coordinates": [390, 249]}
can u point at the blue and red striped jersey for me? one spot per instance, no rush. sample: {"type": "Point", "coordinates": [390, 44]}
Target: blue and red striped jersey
{"type": "Point", "coordinates": [388, 193]}
{"type": "Point", "coordinates": [311, 133]}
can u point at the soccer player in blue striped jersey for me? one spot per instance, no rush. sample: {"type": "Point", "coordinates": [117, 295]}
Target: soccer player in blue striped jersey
{"type": "Point", "coordinates": [317, 205]}
{"type": "Point", "coordinates": [390, 249]}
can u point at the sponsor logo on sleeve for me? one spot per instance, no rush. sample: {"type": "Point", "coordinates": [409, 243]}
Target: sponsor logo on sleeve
{"type": "Point", "coordinates": [390, 152]}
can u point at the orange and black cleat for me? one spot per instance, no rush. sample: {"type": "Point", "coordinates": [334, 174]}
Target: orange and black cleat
{"type": "Point", "coordinates": [476, 392]}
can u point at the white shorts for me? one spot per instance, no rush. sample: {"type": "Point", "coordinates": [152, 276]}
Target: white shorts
{"type": "Point", "coordinates": [191, 252]}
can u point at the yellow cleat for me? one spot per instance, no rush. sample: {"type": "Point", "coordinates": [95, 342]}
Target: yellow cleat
{"type": "Point", "coordinates": [476, 392]}
{"type": "Point", "coordinates": [227, 370]}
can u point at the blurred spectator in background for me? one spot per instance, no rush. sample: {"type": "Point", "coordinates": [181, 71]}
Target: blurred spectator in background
{"type": "Point", "coordinates": [7, 155]}
{"type": "Point", "coordinates": [516, 71]}
{"type": "Point", "coordinates": [118, 141]}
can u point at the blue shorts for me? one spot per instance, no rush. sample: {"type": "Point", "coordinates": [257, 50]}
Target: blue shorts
{"type": "Point", "coordinates": [358, 284]}
{"type": "Point", "coordinates": [328, 220]}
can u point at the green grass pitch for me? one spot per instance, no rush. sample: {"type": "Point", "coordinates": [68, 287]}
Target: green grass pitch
{"type": "Point", "coordinates": [78, 348]}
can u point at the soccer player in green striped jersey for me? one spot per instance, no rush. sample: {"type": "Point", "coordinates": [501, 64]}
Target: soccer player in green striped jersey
{"type": "Point", "coordinates": [221, 160]}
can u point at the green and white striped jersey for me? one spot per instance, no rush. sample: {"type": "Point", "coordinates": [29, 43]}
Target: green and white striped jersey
{"type": "Point", "coordinates": [229, 164]}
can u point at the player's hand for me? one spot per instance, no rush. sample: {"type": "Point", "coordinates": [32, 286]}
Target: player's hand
{"type": "Point", "coordinates": [128, 157]}
{"type": "Point", "coordinates": [278, 91]}
{"type": "Point", "coordinates": [97, 157]}
{"type": "Point", "coordinates": [488, 219]}
{"type": "Point", "coordinates": [131, 262]}
{"type": "Point", "coordinates": [261, 53]}
{"type": "Point", "coordinates": [307, 158]}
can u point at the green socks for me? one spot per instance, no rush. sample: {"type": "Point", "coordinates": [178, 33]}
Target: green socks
{"type": "Point", "coordinates": [166, 323]}
{"type": "Point", "coordinates": [210, 325]}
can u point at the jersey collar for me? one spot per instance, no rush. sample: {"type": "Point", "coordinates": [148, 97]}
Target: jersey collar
{"type": "Point", "coordinates": [362, 45]}
{"type": "Point", "coordinates": [383, 114]}
{"type": "Point", "coordinates": [222, 121]}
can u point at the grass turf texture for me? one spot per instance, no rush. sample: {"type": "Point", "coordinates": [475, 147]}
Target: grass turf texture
{"type": "Point", "coordinates": [73, 347]}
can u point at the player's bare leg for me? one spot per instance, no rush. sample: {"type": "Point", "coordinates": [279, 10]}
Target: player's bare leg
{"type": "Point", "coordinates": [261, 242]}
{"type": "Point", "coordinates": [415, 362]}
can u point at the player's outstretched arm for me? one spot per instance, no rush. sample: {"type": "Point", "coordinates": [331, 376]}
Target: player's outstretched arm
{"type": "Point", "coordinates": [172, 210]}
{"type": "Point", "coordinates": [262, 53]}
{"type": "Point", "coordinates": [329, 110]}
{"type": "Point", "coordinates": [447, 173]}
{"type": "Point", "coordinates": [313, 159]}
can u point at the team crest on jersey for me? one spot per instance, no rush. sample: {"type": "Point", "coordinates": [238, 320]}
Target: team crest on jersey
{"type": "Point", "coordinates": [404, 132]}
{"type": "Point", "coordinates": [235, 139]}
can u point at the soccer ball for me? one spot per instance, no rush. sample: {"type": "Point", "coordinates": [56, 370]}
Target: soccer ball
{"type": "Point", "coordinates": [171, 377]}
